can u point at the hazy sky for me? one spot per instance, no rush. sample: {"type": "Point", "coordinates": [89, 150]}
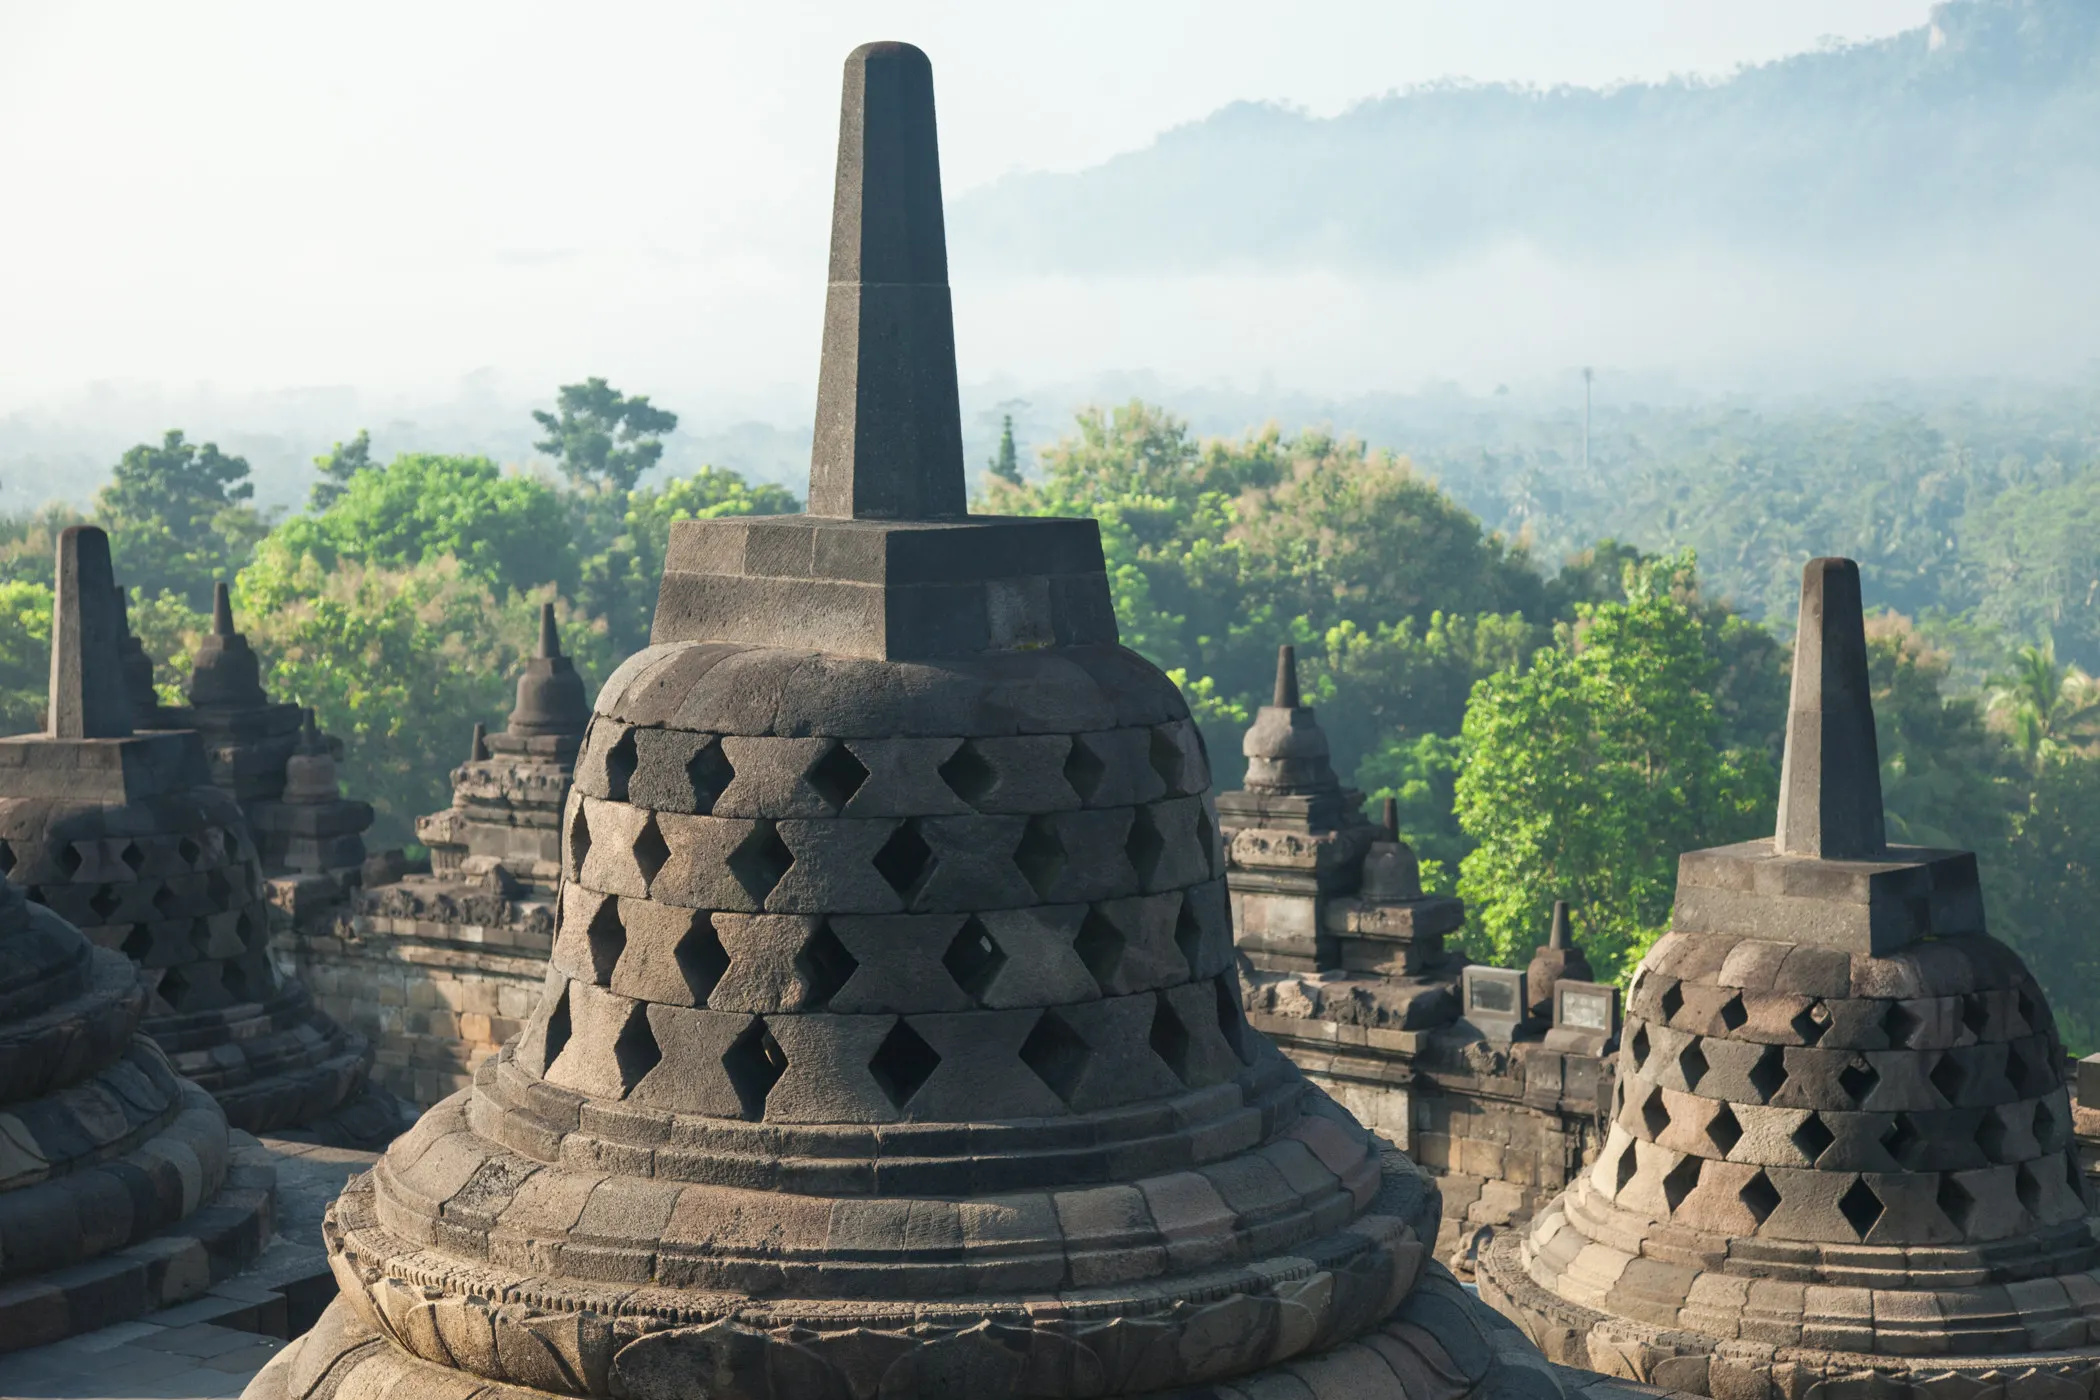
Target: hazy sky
{"type": "Point", "coordinates": [390, 195]}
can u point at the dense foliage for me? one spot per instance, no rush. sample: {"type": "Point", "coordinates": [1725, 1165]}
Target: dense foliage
{"type": "Point", "coordinates": [1548, 733]}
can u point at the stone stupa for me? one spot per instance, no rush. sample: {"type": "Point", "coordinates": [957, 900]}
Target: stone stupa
{"type": "Point", "coordinates": [119, 830]}
{"type": "Point", "coordinates": [120, 1188]}
{"type": "Point", "coordinates": [892, 1044]}
{"type": "Point", "coordinates": [1840, 1162]}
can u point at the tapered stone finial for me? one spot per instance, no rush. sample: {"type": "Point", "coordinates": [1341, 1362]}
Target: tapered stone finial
{"type": "Point", "coordinates": [221, 611]}
{"type": "Point", "coordinates": [1557, 936]}
{"type": "Point", "coordinates": [1830, 780]}
{"type": "Point", "coordinates": [88, 699]}
{"type": "Point", "coordinates": [1286, 678]}
{"type": "Point", "coordinates": [1389, 818]}
{"type": "Point", "coordinates": [889, 430]}
{"type": "Point", "coordinates": [550, 635]}
{"type": "Point", "coordinates": [478, 746]}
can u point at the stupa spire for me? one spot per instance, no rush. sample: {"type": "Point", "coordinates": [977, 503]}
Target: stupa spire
{"type": "Point", "coordinates": [221, 611]}
{"type": "Point", "coordinates": [889, 429]}
{"type": "Point", "coordinates": [1830, 781]}
{"type": "Point", "coordinates": [1286, 678]}
{"type": "Point", "coordinates": [88, 698]}
{"type": "Point", "coordinates": [550, 635]}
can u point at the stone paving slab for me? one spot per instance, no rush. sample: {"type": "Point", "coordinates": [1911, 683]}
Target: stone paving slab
{"type": "Point", "coordinates": [211, 1346]}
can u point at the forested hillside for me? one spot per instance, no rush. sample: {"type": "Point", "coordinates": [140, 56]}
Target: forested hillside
{"type": "Point", "coordinates": [1987, 116]}
{"type": "Point", "coordinates": [1555, 719]}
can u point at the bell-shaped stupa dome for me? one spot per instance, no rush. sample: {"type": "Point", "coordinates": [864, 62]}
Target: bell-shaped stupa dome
{"type": "Point", "coordinates": [892, 1042]}
{"type": "Point", "coordinates": [1840, 1156]}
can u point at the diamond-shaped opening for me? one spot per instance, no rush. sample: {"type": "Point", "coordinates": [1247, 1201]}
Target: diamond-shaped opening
{"type": "Point", "coordinates": [2045, 1127]}
{"type": "Point", "coordinates": [837, 776]}
{"type": "Point", "coordinates": [218, 889]}
{"type": "Point", "coordinates": [2028, 1187]}
{"type": "Point", "coordinates": [133, 857]}
{"type": "Point", "coordinates": [1672, 1001]}
{"type": "Point", "coordinates": [759, 861]}
{"type": "Point", "coordinates": [619, 767]}
{"type": "Point", "coordinates": [1759, 1197]}
{"type": "Point", "coordinates": [138, 943]}
{"type": "Point", "coordinates": [234, 978]}
{"type": "Point", "coordinates": [1040, 856]}
{"type": "Point", "coordinates": [1732, 1013]}
{"type": "Point", "coordinates": [7, 859]}
{"type": "Point", "coordinates": [104, 901]}
{"type": "Point", "coordinates": [2029, 1078]}
{"type": "Point", "coordinates": [905, 860]}
{"type": "Point", "coordinates": [1165, 756]}
{"type": "Point", "coordinates": [606, 939]}
{"type": "Point", "coordinates": [1084, 770]}
{"type": "Point", "coordinates": [1680, 1180]}
{"type": "Point", "coordinates": [1231, 1020]}
{"type": "Point", "coordinates": [1811, 1021]}
{"type": "Point", "coordinates": [1144, 845]}
{"type": "Point", "coordinates": [2030, 1014]}
{"type": "Point", "coordinates": [557, 1038]}
{"type": "Point", "coordinates": [636, 1051]}
{"type": "Point", "coordinates": [1639, 1046]}
{"type": "Point", "coordinates": [200, 937]}
{"type": "Point", "coordinates": [1692, 1061]}
{"type": "Point", "coordinates": [1629, 1163]}
{"type": "Point", "coordinates": [650, 852]}
{"type": "Point", "coordinates": [824, 966]}
{"type": "Point", "coordinates": [1955, 1201]}
{"type": "Point", "coordinates": [1768, 1075]}
{"type": "Point", "coordinates": [1056, 1054]}
{"type": "Point", "coordinates": [1813, 1137]}
{"type": "Point", "coordinates": [1188, 936]}
{"type": "Point", "coordinates": [1947, 1076]}
{"type": "Point", "coordinates": [1899, 1023]}
{"type": "Point", "coordinates": [165, 902]}
{"type": "Point", "coordinates": [1901, 1140]}
{"type": "Point", "coordinates": [1976, 1013]}
{"type": "Point", "coordinates": [710, 772]}
{"type": "Point", "coordinates": [701, 957]}
{"type": "Point", "coordinates": [1860, 1206]}
{"type": "Point", "coordinates": [1100, 945]}
{"type": "Point", "coordinates": [579, 838]}
{"type": "Point", "coordinates": [1723, 1131]}
{"type": "Point", "coordinates": [1655, 1115]}
{"type": "Point", "coordinates": [973, 958]}
{"type": "Point", "coordinates": [902, 1063]}
{"type": "Point", "coordinates": [969, 774]}
{"type": "Point", "coordinates": [174, 988]}
{"type": "Point", "coordinates": [754, 1063]}
{"type": "Point", "coordinates": [1990, 1136]}
{"type": "Point", "coordinates": [1169, 1038]}
{"type": "Point", "coordinates": [189, 851]}
{"type": "Point", "coordinates": [1858, 1079]}
{"type": "Point", "coordinates": [1205, 834]}
{"type": "Point", "coordinates": [69, 859]}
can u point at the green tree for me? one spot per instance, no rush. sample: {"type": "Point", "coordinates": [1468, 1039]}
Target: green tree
{"type": "Point", "coordinates": [25, 655]}
{"type": "Point", "coordinates": [2046, 707]}
{"type": "Point", "coordinates": [1588, 770]}
{"type": "Point", "coordinates": [2042, 893]}
{"type": "Point", "coordinates": [177, 517]}
{"type": "Point", "coordinates": [1006, 463]}
{"type": "Point", "coordinates": [337, 466]}
{"type": "Point", "coordinates": [602, 439]}
{"type": "Point", "coordinates": [511, 530]}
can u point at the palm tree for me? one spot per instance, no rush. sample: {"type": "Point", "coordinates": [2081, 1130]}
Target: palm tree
{"type": "Point", "coordinates": [2049, 709]}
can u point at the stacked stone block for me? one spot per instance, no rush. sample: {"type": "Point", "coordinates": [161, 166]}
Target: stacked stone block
{"type": "Point", "coordinates": [120, 1188]}
{"type": "Point", "coordinates": [1841, 1156]}
{"type": "Point", "coordinates": [440, 968]}
{"type": "Point", "coordinates": [891, 1043]}
{"type": "Point", "coordinates": [120, 833]}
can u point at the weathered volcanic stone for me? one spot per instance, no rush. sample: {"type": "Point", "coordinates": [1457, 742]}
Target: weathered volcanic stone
{"type": "Point", "coordinates": [1552, 962]}
{"type": "Point", "coordinates": [1840, 1158]}
{"type": "Point", "coordinates": [874, 1062]}
{"type": "Point", "coordinates": [120, 1188]}
{"type": "Point", "coordinates": [121, 834]}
